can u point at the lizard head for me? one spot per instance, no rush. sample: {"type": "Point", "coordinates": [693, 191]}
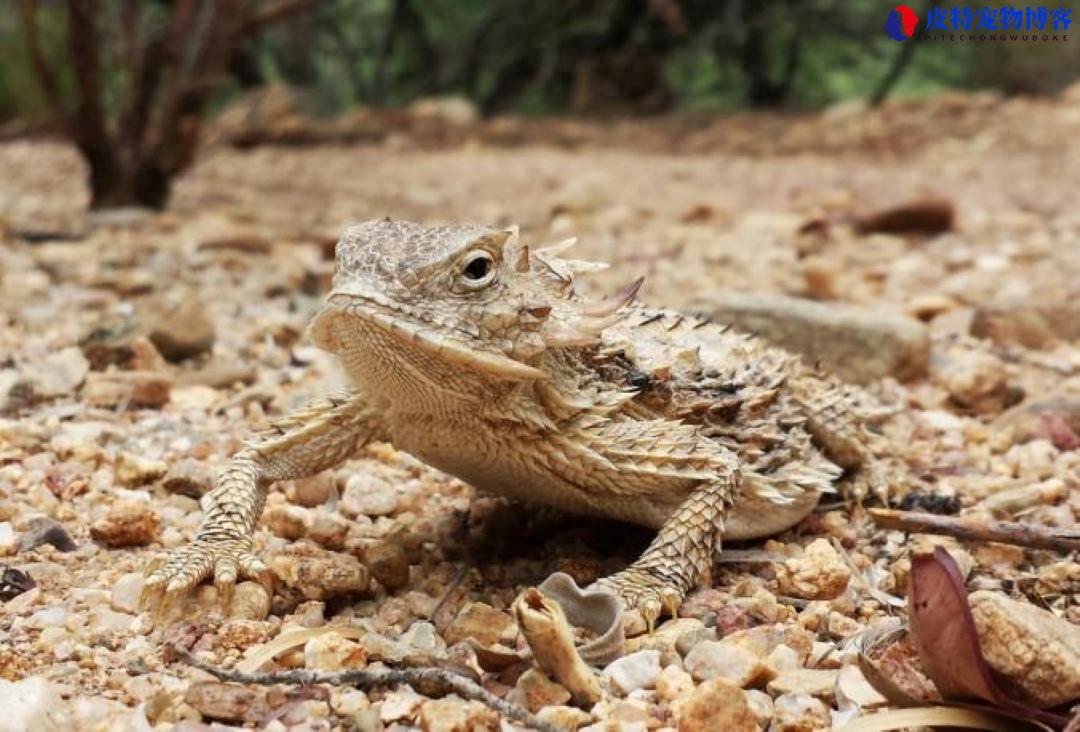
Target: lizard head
{"type": "Point", "coordinates": [464, 293]}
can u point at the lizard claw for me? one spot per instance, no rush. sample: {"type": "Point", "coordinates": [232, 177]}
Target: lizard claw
{"type": "Point", "coordinates": [649, 594]}
{"type": "Point", "coordinates": [170, 580]}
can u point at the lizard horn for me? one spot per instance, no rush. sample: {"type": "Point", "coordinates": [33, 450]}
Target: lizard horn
{"type": "Point", "coordinates": [554, 250]}
{"type": "Point", "coordinates": [519, 258]}
{"type": "Point", "coordinates": [609, 305]}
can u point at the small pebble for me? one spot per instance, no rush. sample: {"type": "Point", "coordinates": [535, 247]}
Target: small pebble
{"type": "Point", "coordinates": [634, 671]}
{"type": "Point", "coordinates": [127, 522]}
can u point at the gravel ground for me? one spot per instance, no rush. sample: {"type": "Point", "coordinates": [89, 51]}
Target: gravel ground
{"type": "Point", "coordinates": [139, 350]}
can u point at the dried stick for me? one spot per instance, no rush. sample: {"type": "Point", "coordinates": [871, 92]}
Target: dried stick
{"type": "Point", "coordinates": [435, 678]}
{"type": "Point", "coordinates": [1005, 532]}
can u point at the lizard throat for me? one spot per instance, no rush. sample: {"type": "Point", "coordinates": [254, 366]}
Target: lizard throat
{"type": "Point", "coordinates": [336, 319]}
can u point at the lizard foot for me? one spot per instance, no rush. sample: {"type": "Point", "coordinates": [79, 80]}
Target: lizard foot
{"type": "Point", "coordinates": [645, 591]}
{"type": "Point", "coordinates": [168, 581]}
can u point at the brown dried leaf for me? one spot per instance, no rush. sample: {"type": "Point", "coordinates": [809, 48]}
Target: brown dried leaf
{"type": "Point", "coordinates": [944, 635]}
{"type": "Point", "coordinates": [889, 663]}
{"type": "Point", "coordinates": [925, 216]}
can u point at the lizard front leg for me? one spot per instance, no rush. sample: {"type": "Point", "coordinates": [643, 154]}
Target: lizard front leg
{"type": "Point", "coordinates": [319, 436]}
{"type": "Point", "coordinates": [680, 556]}
{"type": "Point", "coordinates": [621, 462]}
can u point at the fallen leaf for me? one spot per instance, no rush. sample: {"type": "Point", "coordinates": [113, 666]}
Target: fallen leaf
{"type": "Point", "coordinates": [927, 216]}
{"type": "Point", "coordinates": [944, 635]}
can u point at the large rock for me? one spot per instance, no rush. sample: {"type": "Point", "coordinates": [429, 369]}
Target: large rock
{"type": "Point", "coordinates": [59, 373]}
{"type": "Point", "coordinates": [317, 574]}
{"type": "Point", "coordinates": [31, 704]}
{"type": "Point", "coordinates": [819, 682]}
{"type": "Point", "coordinates": [1031, 325]}
{"type": "Point", "coordinates": [799, 713]}
{"type": "Point", "coordinates": [1035, 653]}
{"type": "Point", "coordinates": [715, 705]}
{"type": "Point", "coordinates": [126, 523]}
{"type": "Point", "coordinates": [455, 715]}
{"type": "Point", "coordinates": [534, 691]}
{"type": "Point", "coordinates": [1055, 417]}
{"type": "Point", "coordinates": [228, 702]}
{"type": "Point", "coordinates": [183, 331]}
{"type": "Point", "coordinates": [634, 671]}
{"type": "Point", "coordinates": [858, 344]}
{"type": "Point", "coordinates": [976, 381]}
{"type": "Point", "coordinates": [389, 564]}
{"type": "Point", "coordinates": [128, 388]}
{"type": "Point", "coordinates": [483, 623]}
{"type": "Point", "coordinates": [740, 657]}
{"type": "Point", "coordinates": [819, 574]}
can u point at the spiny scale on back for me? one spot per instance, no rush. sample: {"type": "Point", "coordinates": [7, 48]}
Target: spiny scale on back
{"type": "Point", "coordinates": [475, 354]}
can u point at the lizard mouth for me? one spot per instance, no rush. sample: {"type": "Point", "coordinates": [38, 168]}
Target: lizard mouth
{"type": "Point", "coordinates": [405, 325]}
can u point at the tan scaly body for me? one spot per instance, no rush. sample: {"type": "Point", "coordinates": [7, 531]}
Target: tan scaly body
{"type": "Point", "coordinates": [475, 355]}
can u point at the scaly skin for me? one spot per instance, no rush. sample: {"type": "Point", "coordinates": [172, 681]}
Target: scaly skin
{"type": "Point", "coordinates": [475, 355]}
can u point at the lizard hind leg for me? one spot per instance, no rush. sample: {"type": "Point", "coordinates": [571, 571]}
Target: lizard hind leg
{"type": "Point", "coordinates": [678, 559]}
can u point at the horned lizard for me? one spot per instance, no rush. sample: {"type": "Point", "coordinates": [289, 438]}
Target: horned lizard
{"type": "Point", "coordinates": [471, 351]}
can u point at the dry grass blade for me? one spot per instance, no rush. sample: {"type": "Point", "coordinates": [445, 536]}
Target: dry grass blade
{"type": "Point", "coordinates": [937, 717]}
{"type": "Point", "coordinates": [288, 641]}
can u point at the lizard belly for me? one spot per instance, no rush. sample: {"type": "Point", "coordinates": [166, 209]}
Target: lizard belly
{"type": "Point", "coordinates": [754, 518]}
{"type": "Point", "coordinates": [502, 467]}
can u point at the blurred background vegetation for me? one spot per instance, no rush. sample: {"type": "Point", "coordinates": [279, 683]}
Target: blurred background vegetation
{"type": "Point", "coordinates": [534, 57]}
{"type": "Point", "coordinates": [129, 79]}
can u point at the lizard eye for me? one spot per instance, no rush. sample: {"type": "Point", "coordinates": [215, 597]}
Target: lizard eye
{"type": "Point", "coordinates": [478, 270]}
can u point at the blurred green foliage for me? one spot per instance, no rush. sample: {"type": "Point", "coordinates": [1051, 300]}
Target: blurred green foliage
{"type": "Point", "coordinates": [586, 55]}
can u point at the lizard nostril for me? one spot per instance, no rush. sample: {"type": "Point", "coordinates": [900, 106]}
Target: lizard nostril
{"type": "Point", "coordinates": [538, 311]}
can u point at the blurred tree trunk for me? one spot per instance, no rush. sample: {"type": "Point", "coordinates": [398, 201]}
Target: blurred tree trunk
{"type": "Point", "coordinates": [406, 22]}
{"type": "Point", "coordinates": [762, 88]}
{"type": "Point", "coordinates": [171, 74]}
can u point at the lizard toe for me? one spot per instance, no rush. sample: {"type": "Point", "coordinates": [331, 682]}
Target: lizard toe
{"type": "Point", "coordinates": [170, 581]}
{"type": "Point", "coordinates": [251, 567]}
{"type": "Point", "coordinates": [650, 609]}
{"type": "Point", "coordinates": [226, 570]}
{"type": "Point", "coordinates": [648, 593]}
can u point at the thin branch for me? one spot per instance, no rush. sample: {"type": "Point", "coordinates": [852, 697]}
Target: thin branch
{"type": "Point", "coordinates": [428, 677]}
{"type": "Point", "coordinates": [1004, 532]}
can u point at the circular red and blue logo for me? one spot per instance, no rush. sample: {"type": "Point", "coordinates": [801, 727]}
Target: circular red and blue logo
{"type": "Point", "coordinates": [901, 23]}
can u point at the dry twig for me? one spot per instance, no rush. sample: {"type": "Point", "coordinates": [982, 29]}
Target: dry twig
{"type": "Point", "coordinates": [1005, 532]}
{"type": "Point", "coordinates": [432, 680]}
